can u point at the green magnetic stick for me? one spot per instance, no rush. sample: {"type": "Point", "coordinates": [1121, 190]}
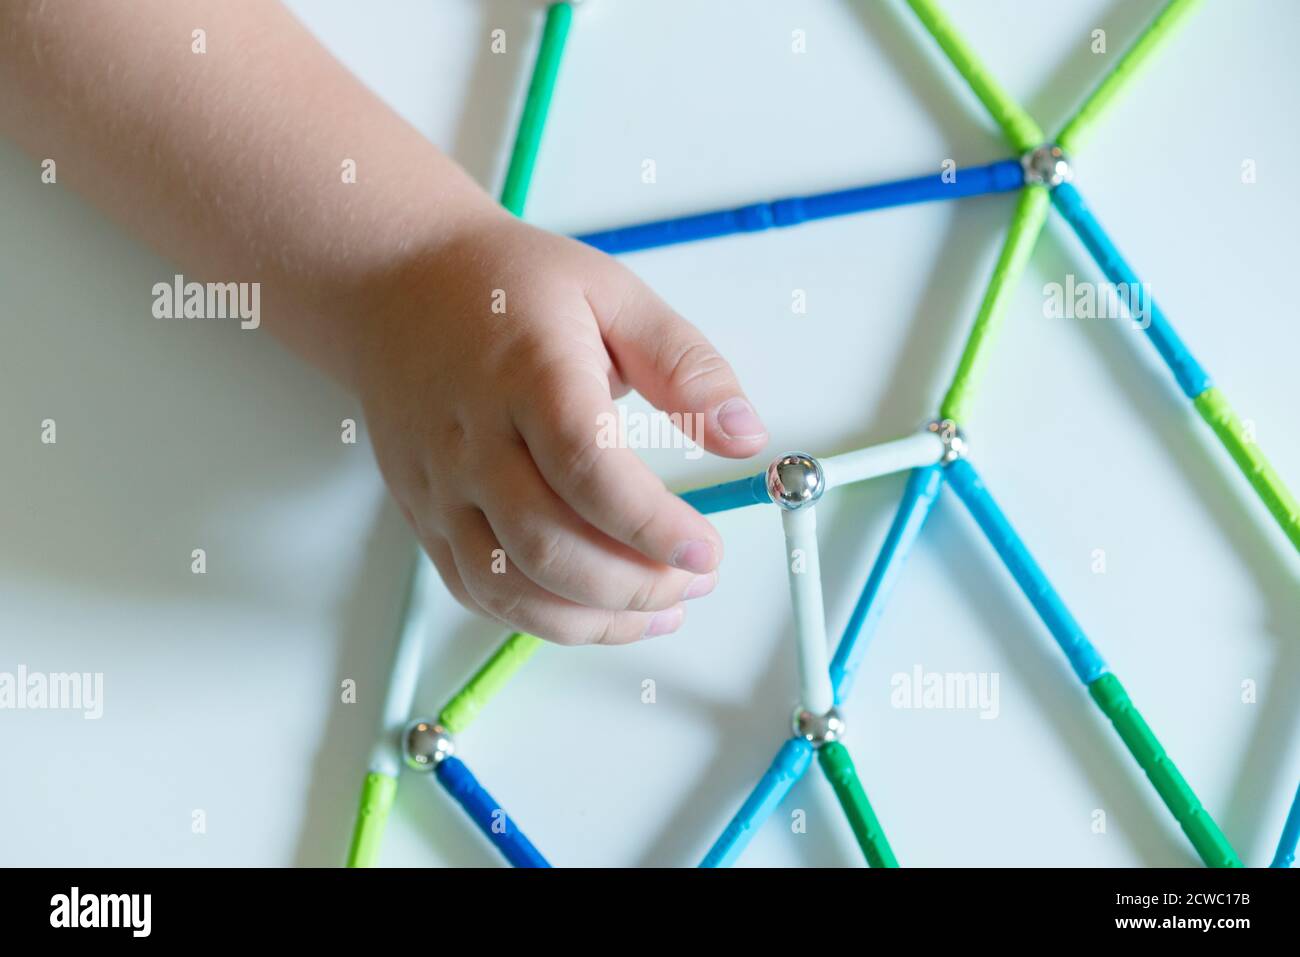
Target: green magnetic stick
{"type": "Point", "coordinates": [1022, 235]}
{"type": "Point", "coordinates": [519, 647]}
{"type": "Point", "coordinates": [377, 793]}
{"type": "Point", "coordinates": [1263, 478]}
{"type": "Point", "coordinates": [465, 705]}
{"type": "Point", "coordinates": [1018, 126]}
{"type": "Point", "coordinates": [1020, 129]}
{"type": "Point", "coordinates": [379, 788]}
{"type": "Point", "coordinates": [1130, 64]}
{"type": "Point", "coordinates": [538, 101]}
{"type": "Point", "coordinates": [1173, 789]}
{"type": "Point", "coordinates": [385, 763]}
{"type": "Point", "coordinates": [843, 777]}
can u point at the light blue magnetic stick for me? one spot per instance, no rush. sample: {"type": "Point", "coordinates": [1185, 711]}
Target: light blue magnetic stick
{"type": "Point", "coordinates": [1192, 379]}
{"type": "Point", "coordinates": [794, 758]}
{"type": "Point", "coordinates": [1083, 657]}
{"type": "Point", "coordinates": [919, 495]}
{"type": "Point", "coordinates": [997, 177]}
{"type": "Point", "coordinates": [728, 495]}
{"type": "Point", "coordinates": [1286, 846]}
{"type": "Point", "coordinates": [1208, 399]}
{"type": "Point", "coordinates": [1103, 687]}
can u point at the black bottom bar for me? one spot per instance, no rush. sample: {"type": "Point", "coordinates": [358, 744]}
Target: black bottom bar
{"type": "Point", "coordinates": [340, 908]}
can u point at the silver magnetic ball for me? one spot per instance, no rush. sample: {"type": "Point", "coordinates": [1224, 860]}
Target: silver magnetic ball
{"type": "Point", "coordinates": [818, 729]}
{"type": "Point", "coordinates": [1048, 165]}
{"type": "Point", "coordinates": [953, 439]}
{"type": "Point", "coordinates": [425, 744]}
{"type": "Point", "coordinates": [795, 480]}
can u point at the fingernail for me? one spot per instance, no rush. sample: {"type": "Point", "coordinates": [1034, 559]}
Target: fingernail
{"type": "Point", "coordinates": [701, 585]}
{"type": "Point", "coordinates": [665, 621]}
{"type": "Point", "coordinates": [738, 420]}
{"type": "Point", "coordinates": [693, 556]}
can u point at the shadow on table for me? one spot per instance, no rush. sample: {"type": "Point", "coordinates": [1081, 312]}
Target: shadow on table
{"type": "Point", "coordinates": [370, 619]}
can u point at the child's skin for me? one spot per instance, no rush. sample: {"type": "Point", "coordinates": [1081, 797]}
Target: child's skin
{"type": "Point", "coordinates": [485, 425]}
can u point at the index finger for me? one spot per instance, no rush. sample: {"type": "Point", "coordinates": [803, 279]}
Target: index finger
{"type": "Point", "coordinates": [609, 486]}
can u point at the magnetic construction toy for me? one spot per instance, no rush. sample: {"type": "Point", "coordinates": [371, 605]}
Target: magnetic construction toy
{"type": "Point", "coordinates": [937, 456]}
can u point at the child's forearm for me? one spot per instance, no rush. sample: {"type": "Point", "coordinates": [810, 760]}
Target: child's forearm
{"type": "Point", "coordinates": [235, 161]}
{"type": "Point", "coordinates": [488, 422]}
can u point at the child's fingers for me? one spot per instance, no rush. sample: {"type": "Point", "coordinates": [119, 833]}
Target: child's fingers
{"type": "Point", "coordinates": [677, 369]}
{"type": "Point", "coordinates": [563, 554]}
{"type": "Point", "coordinates": [566, 426]}
{"type": "Point", "coordinates": [511, 597]}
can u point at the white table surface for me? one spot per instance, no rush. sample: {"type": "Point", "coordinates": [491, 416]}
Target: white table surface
{"type": "Point", "coordinates": [221, 691]}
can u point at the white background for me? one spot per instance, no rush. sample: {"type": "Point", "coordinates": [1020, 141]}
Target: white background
{"type": "Point", "coordinates": [222, 691]}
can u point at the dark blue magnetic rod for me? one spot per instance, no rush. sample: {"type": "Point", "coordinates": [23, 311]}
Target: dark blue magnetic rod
{"type": "Point", "coordinates": [1000, 177]}
{"type": "Point", "coordinates": [497, 826]}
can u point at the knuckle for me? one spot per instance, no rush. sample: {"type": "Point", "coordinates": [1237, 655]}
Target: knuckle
{"type": "Point", "coordinates": [582, 454]}
{"type": "Point", "coordinates": [511, 605]}
{"type": "Point", "coordinates": [568, 638]}
{"type": "Point", "coordinates": [646, 596]}
{"type": "Point", "coordinates": [607, 630]}
{"type": "Point", "coordinates": [560, 379]}
{"type": "Point", "coordinates": [545, 555]}
{"type": "Point", "coordinates": [445, 516]}
{"type": "Point", "coordinates": [504, 603]}
{"type": "Point", "coordinates": [451, 435]}
{"type": "Point", "coordinates": [697, 362]}
{"type": "Point", "coordinates": [449, 442]}
{"type": "Point", "coordinates": [639, 531]}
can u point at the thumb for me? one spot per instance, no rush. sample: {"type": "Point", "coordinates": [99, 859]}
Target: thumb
{"type": "Point", "coordinates": [678, 370]}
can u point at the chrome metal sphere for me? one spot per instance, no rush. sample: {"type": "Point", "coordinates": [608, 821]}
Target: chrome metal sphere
{"type": "Point", "coordinates": [795, 480]}
{"type": "Point", "coordinates": [1047, 165]}
{"type": "Point", "coordinates": [953, 439]}
{"type": "Point", "coordinates": [424, 744]}
{"type": "Point", "coordinates": [818, 729]}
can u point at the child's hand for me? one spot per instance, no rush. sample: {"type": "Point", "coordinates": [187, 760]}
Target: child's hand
{"type": "Point", "coordinates": [485, 426]}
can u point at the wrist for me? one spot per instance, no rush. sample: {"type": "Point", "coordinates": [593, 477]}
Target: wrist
{"type": "Point", "coordinates": [402, 263]}
{"type": "Point", "coordinates": [388, 307]}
